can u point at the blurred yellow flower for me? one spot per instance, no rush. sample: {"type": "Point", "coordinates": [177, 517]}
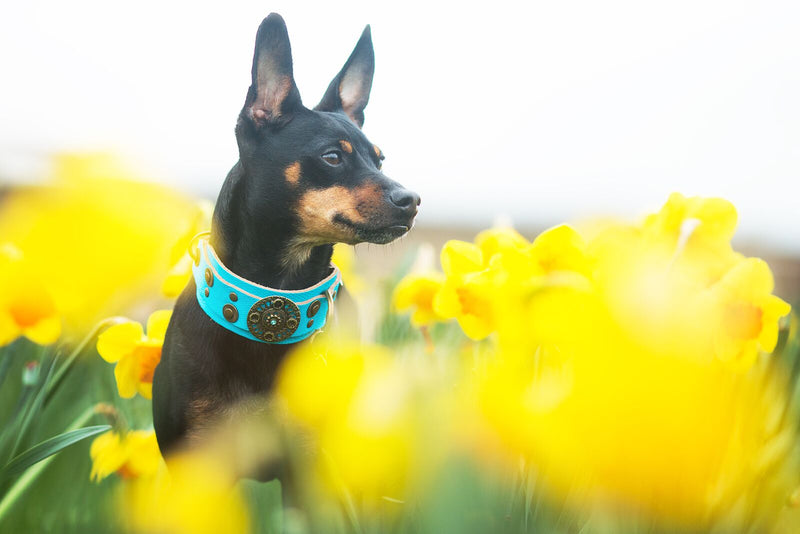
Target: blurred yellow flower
{"type": "Point", "coordinates": [470, 300]}
{"type": "Point", "coordinates": [748, 313]}
{"type": "Point", "coordinates": [417, 291]}
{"type": "Point", "coordinates": [355, 401]}
{"type": "Point", "coordinates": [560, 249]}
{"type": "Point", "coordinates": [624, 366]}
{"type": "Point", "coordinates": [180, 262]}
{"type": "Point", "coordinates": [697, 232]}
{"type": "Point", "coordinates": [136, 354]}
{"type": "Point", "coordinates": [194, 495]}
{"type": "Point", "coordinates": [26, 306]}
{"type": "Point", "coordinates": [95, 234]}
{"type": "Point", "coordinates": [716, 219]}
{"type": "Point", "coordinates": [344, 257]}
{"type": "Point", "coordinates": [131, 454]}
{"type": "Point", "coordinates": [460, 258]}
{"type": "Point", "coordinates": [467, 292]}
{"type": "Point", "coordinates": [499, 240]}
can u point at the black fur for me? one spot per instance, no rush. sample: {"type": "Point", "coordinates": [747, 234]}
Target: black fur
{"type": "Point", "coordinates": [260, 233]}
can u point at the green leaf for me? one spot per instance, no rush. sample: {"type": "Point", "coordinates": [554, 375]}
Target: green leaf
{"type": "Point", "coordinates": [47, 448]}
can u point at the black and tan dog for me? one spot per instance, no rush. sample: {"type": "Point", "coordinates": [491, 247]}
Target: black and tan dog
{"type": "Point", "coordinates": [305, 179]}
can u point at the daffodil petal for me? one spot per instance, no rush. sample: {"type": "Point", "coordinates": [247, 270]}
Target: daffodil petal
{"type": "Point", "coordinates": [422, 317]}
{"type": "Point", "coordinates": [108, 455]}
{"type": "Point", "coordinates": [559, 248]}
{"type": "Point", "coordinates": [776, 307]}
{"type": "Point", "coordinates": [418, 291]}
{"type": "Point", "coordinates": [768, 337]}
{"type": "Point", "coordinates": [157, 324]}
{"type": "Point", "coordinates": [499, 240]}
{"type": "Point", "coordinates": [717, 217]}
{"type": "Point", "coordinates": [446, 302]}
{"type": "Point", "coordinates": [460, 257]}
{"type": "Point", "coordinates": [145, 389]}
{"type": "Point", "coordinates": [474, 327]}
{"type": "Point", "coordinates": [119, 340]}
{"type": "Point", "coordinates": [773, 308]}
{"type": "Point", "coordinates": [748, 279]}
{"type": "Point", "coordinates": [145, 457]}
{"type": "Point", "coordinates": [403, 295]}
{"type": "Point", "coordinates": [126, 374]}
{"type": "Point", "coordinates": [45, 331]}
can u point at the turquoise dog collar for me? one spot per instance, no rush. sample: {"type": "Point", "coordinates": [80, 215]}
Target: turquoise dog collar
{"type": "Point", "coordinates": [258, 312]}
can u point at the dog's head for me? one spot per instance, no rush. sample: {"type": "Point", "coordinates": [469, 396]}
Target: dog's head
{"type": "Point", "coordinates": [317, 164]}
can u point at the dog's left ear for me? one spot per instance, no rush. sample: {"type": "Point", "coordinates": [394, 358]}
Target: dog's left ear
{"type": "Point", "coordinates": [349, 90]}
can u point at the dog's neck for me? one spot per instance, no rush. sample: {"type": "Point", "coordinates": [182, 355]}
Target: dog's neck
{"type": "Point", "coordinates": [264, 247]}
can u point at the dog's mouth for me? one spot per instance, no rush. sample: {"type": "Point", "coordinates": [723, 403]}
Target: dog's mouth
{"type": "Point", "coordinates": [379, 235]}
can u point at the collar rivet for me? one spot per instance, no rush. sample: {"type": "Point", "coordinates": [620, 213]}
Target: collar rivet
{"type": "Point", "coordinates": [230, 313]}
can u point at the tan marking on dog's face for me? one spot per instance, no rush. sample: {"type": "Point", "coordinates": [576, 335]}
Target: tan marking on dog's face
{"type": "Point", "coordinates": [377, 151]}
{"type": "Point", "coordinates": [317, 209]}
{"type": "Point", "coordinates": [292, 173]}
{"type": "Point", "coordinates": [346, 146]}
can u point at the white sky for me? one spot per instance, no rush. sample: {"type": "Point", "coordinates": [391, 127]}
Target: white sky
{"type": "Point", "coordinates": [542, 111]}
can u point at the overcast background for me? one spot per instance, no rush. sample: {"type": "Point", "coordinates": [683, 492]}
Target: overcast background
{"type": "Point", "coordinates": [541, 111]}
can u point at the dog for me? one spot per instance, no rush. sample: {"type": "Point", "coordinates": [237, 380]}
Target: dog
{"type": "Point", "coordinates": [305, 179]}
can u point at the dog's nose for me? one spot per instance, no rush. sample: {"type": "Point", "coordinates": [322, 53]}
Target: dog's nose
{"type": "Point", "coordinates": [404, 199]}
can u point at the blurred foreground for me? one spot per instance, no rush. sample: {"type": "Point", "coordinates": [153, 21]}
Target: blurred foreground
{"type": "Point", "coordinates": [611, 376]}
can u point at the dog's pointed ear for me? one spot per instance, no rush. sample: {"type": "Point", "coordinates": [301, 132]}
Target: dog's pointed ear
{"type": "Point", "coordinates": [349, 90]}
{"type": "Point", "coordinates": [273, 95]}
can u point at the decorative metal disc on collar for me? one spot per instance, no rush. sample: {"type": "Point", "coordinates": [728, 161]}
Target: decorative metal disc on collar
{"type": "Point", "coordinates": [273, 319]}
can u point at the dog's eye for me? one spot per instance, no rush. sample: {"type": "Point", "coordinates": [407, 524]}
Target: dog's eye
{"type": "Point", "coordinates": [332, 158]}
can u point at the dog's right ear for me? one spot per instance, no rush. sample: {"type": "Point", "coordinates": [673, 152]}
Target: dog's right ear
{"type": "Point", "coordinates": [349, 90]}
{"type": "Point", "coordinates": [273, 95]}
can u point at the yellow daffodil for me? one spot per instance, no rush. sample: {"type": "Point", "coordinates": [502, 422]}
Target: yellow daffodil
{"type": "Point", "coordinates": [555, 255]}
{"type": "Point", "coordinates": [460, 258]}
{"type": "Point", "coordinates": [747, 313]}
{"type": "Point", "coordinates": [499, 240]}
{"type": "Point", "coordinates": [560, 249]}
{"type": "Point", "coordinates": [467, 290]}
{"type": "Point", "coordinates": [195, 495]}
{"type": "Point", "coordinates": [697, 232]}
{"type": "Point", "coordinates": [417, 291]}
{"type": "Point", "coordinates": [131, 454]}
{"type": "Point", "coordinates": [180, 262]}
{"type": "Point", "coordinates": [354, 400]}
{"type": "Point", "coordinates": [716, 218]}
{"type": "Point", "coordinates": [97, 235]}
{"type": "Point", "coordinates": [615, 341]}
{"type": "Point", "coordinates": [470, 299]}
{"type": "Point", "coordinates": [344, 257]}
{"type": "Point", "coordinates": [136, 354]}
{"type": "Point", "coordinates": [26, 306]}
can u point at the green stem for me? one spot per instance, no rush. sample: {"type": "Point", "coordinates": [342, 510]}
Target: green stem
{"type": "Point", "coordinates": [349, 505]}
{"type": "Point", "coordinates": [5, 364]}
{"type": "Point", "coordinates": [14, 428]}
{"type": "Point", "coordinates": [35, 406]}
{"type": "Point", "coordinates": [27, 478]}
